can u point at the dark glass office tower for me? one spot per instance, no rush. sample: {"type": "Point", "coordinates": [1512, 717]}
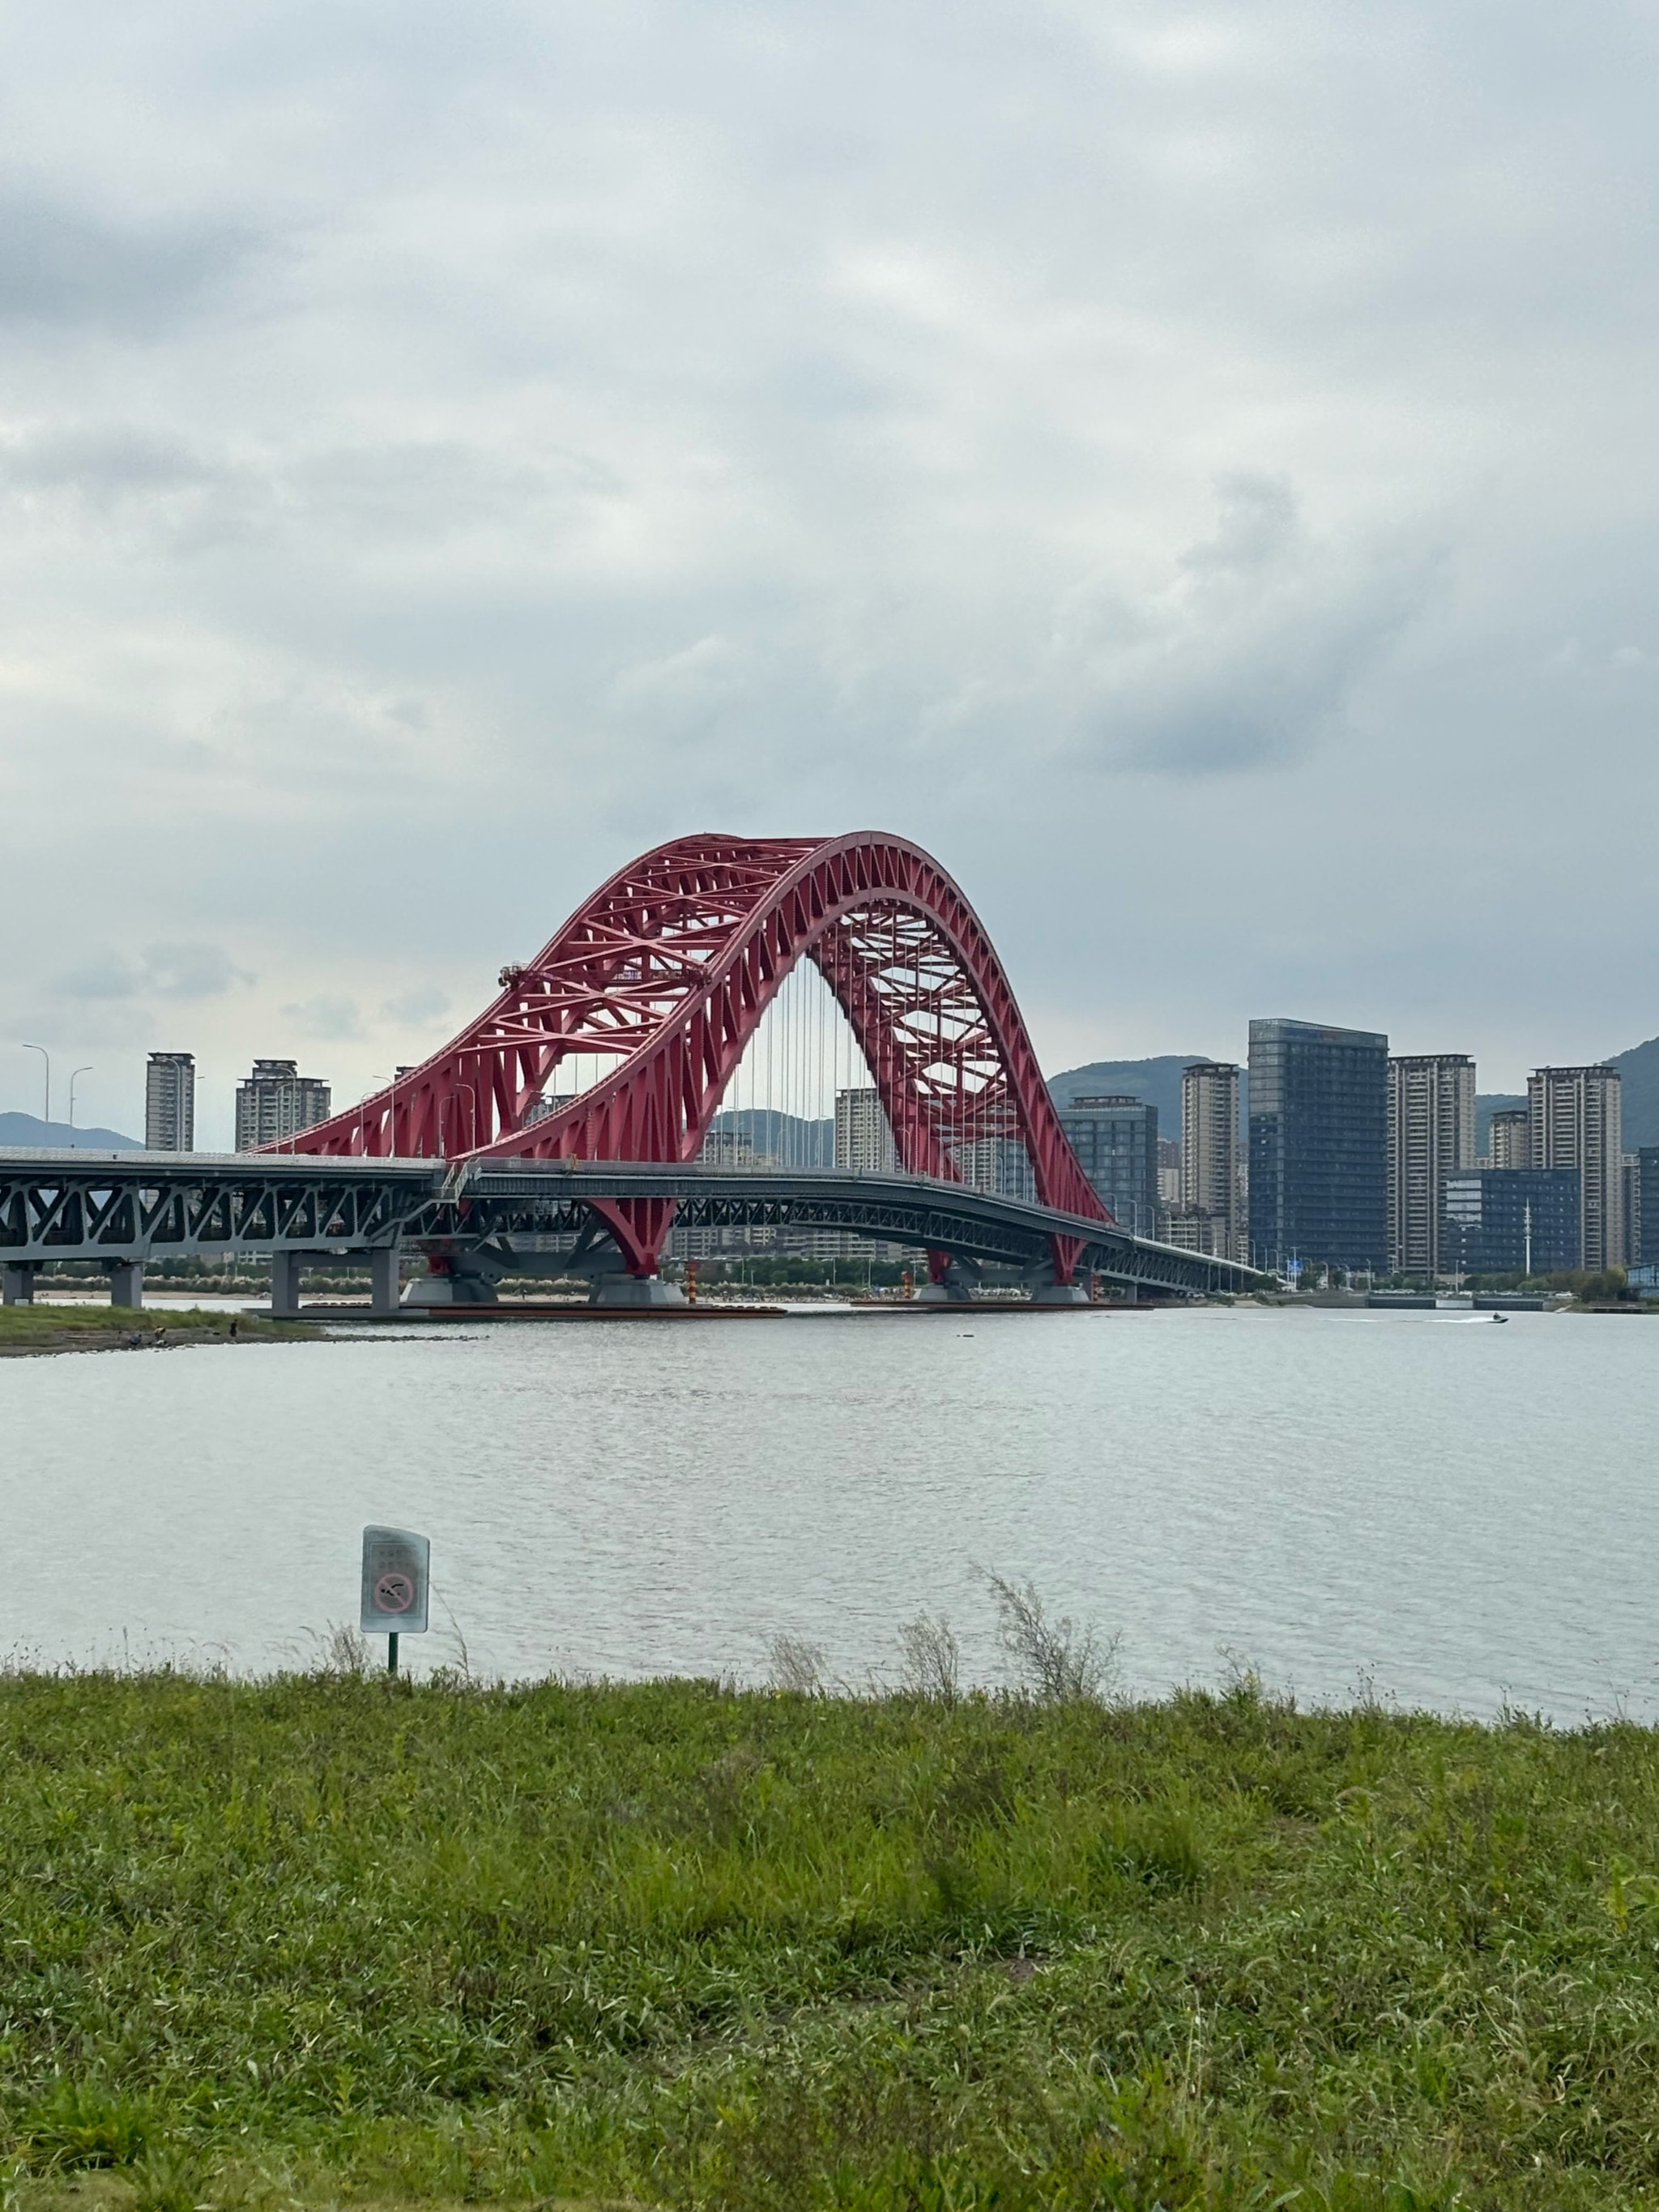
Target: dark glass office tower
{"type": "Point", "coordinates": [1319, 1140]}
{"type": "Point", "coordinates": [1115, 1140]}
{"type": "Point", "coordinates": [1506, 1221]}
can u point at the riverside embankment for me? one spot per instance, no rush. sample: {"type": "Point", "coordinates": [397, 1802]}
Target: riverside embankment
{"type": "Point", "coordinates": [54, 1328]}
{"type": "Point", "coordinates": [325, 1937]}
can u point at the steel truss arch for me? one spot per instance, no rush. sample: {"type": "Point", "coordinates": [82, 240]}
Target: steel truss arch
{"type": "Point", "coordinates": [669, 968]}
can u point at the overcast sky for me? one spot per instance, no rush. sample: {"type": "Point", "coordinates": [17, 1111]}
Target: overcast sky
{"type": "Point", "coordinates": [1194, 469]}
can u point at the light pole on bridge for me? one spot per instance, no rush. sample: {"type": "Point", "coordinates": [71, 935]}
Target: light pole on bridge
{"type": "Point", "coordinates": [78, 1073]}
{"type": "Point", "coordinates": [47, 1056]}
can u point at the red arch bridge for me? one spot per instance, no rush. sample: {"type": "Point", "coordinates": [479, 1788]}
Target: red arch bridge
{"type": "Point", "coordinates": [599, 1104]}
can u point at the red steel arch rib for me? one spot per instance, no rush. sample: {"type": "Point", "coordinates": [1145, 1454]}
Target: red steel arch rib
{"type": "Point", "coordinates": [669, 967]}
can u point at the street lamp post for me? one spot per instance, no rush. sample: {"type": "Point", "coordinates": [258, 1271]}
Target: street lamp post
{"type": "Point", "coordinates": [79, 1071]}
{"type": "Point", "coordinates": [47, 1056]}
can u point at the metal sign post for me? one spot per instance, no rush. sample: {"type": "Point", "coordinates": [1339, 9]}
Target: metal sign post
{"type": "Point", "coordinates": [397, 1571]}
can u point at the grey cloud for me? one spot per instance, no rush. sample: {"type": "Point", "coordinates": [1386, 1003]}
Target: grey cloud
{"type": "Point", "coordinates": [150, 486]}
{"type": "Point", "coordinates": [192, 971]}
{"type": "Point", "coordinates": [1259, 522]}
{"type": "Point", "coordinates": [105, 462]}
{"type": "Point", "coordinates": [423, 1004]}
{"type": "Point", "coordinates": [164, 971]}
{"type": "Point", "coordinates": [325, 1017]}
{"type": "Point", "coordinates": [438, 485]}
{"type": "Point", "coordinates": [1247, 656]}
{"type": "Point", "coordinates": [108, 977]}
{"type": "Point", "coordinates": [65, 266]}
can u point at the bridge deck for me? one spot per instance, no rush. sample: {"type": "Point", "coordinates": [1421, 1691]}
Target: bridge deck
{"type": "Point", "coordinates": [135, 1205]}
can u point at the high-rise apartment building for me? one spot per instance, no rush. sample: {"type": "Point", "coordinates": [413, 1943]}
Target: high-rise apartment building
{"type": "Point", "coordinates": [1319, 1133]}
{"type": "Point", "coordinates": [1115, 1140]}
{"type": "Point", "coordinates": [1213, 1215]}
{"type": "Point", "coordinates": [1576, 1121]}
{"type": "Point", "coordinates": [1510, 1143]}
{"type": "Point", "coordinates": [275, 1101]}
{"type": "Point", "coordinates": [1000, 1165]}
{"type": "Point", "coordinates": [864, 1145]}
{"type": "Point", "coordinates": [733, 1149]}
{"type": "Point", "coordinates": [1169, 1171]}
{"type": "Point", "coordinates": [864, 1139]}
{"type": "Point", "coordinates": [1430, 1132]}
{"type": "Point", "coordinates": [170, 1102]}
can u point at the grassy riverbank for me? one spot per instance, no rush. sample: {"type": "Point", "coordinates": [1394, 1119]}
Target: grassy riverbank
{"type": "Point", "coordinates": [43, 1327]}
{"type": "Point", "coordinates": [664, 1944]}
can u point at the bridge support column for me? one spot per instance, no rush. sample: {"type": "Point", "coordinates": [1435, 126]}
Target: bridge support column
{"type": "Point", "coordinates": [126, 1282]}
{"type": "Point", "coordinates": [622, 1291]}
{"type": "Point", "coordinates": [1045, 1287]}
{"type": "Point", "coordinates": [285, 1283]}
{"type": "Point", "coordinates": [460, 1275]}
{"type": "Point", "coordinates": [383, 1279]}
{"type": "Point", "coordinates": [17, 1283]}
{"type": "Point", "coordinates": [950, 1281]}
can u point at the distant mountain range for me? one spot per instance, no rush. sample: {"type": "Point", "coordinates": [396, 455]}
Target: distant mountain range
{"type": "Point", "coordinates": [1158, 1082]}
{"type": "Point", "coordinates": [30, 1129]}
{"type": "Point", "coordinates": [1639, 1068]}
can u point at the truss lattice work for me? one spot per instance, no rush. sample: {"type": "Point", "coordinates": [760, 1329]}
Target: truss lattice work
{"type": "Point", "coordinates": [666, 974]}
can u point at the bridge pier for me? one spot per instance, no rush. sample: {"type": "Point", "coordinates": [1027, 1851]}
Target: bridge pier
{"type": "Point", "coordinates": [383, 1279]}
{"type": "Point", "coordinates": [126, 1282]}
{"type": "Point", "coordinates": [17, 1283]}
{"type": "Point", "coordinates": [1046, 1285]}
{"type": "Point", "coordinates": [458, 1275]}
{"type": "Point", "coordinates": [285, 1284]}
{"type": "Point", "coordinates": [625, 1292]}
{"type": "Point", "coordinates": [951, 1281]}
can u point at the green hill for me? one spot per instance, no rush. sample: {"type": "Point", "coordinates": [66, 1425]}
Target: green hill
{"type": "Point", "coordinates": [29, 1129]}
{"type": "Point", "coordinates": [1157, 1081]}
{"type": "Point", "coordinates": [1640, 1069]}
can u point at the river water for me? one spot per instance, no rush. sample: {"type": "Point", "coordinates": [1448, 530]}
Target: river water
{"type": "Point", "coordinates": [1453, 1513]}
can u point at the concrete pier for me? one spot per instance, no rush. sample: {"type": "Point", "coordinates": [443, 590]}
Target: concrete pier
{"type": "Point", "coordinates": [383, 1278]}
{"type": "Point", "coordinates": [631, 1291]}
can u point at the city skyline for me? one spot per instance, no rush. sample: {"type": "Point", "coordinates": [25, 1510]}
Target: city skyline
{"type": "Point", "coordinates": [214, 1089]}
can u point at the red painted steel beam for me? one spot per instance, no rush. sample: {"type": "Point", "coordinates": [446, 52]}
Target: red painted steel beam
{"type": "Point", "coordinates": [671, 965]}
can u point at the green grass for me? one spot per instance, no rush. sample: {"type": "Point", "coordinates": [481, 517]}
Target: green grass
{"type": "Point", "coordinates": [44, 1327]}
{"type": "Point", "coordinates": [326, 1938]}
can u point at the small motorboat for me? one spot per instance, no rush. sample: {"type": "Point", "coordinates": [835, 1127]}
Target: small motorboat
{"type": "Point", "coordinates": [1500, 1316]}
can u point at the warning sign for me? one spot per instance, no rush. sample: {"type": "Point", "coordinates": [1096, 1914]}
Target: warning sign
{"type": "Point", "coordinates": [396, 1563]}
{"type": "Point", "coordinates": [394, 1593]}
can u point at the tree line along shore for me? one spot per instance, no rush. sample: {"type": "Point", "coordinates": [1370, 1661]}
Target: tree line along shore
{"type": "Point", "coordinates": [328, 1938]}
